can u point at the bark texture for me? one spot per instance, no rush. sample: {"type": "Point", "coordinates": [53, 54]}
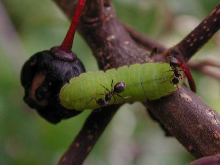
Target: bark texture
{"type": "Point", "coordinates": [183, 113]}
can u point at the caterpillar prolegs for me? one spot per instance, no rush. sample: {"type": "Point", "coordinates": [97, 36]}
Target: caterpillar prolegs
{"type": "Point", "coordinates": [149, 81]}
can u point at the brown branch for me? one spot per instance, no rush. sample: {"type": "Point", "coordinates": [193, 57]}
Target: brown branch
{"type": "Point", "coordinates": [209, 160]}
{"type": "Point", "coordinates": [203, 63]}
{"type": "Point", "coordinates": [88, 136]}
{"type": "Point", "coordinates": [199, 36]}
{"type": "Point", "coordinates": [141, 39]}
{"type": "Point", "coordinates": [190, 120]}
{"type": "Point", "coordinates": [210, 68]}
{"type": "Point", "coordinates": [110, 43]}
{"type": "Point", "coordinates": [186, 116]}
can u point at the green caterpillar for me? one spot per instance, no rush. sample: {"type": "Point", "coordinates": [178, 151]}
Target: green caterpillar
{"type": "Point", "coordinates": [149, 81]}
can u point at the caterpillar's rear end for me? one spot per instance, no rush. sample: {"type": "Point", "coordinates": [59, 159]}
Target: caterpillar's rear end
{"type": "Point", "coordinates": [148, 81]}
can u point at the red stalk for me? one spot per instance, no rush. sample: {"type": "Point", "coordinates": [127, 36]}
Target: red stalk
{"type": "Point", "coordinates": [68, 40]}
{"type": "Point", "coordinates": [176, 62]}
{"type": "Point", "coordinates": [188, 75]}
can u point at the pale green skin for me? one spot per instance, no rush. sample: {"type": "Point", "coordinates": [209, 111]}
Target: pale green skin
{"type": "Point", "coordinates": [149, 81]}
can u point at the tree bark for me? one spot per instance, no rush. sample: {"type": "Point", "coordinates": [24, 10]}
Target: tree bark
{"type": "Point", "coordinates": [183, 113]}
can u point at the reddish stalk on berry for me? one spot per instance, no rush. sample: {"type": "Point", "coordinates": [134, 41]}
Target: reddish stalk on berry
{"type": "Point", "coordinates": [47, 71]}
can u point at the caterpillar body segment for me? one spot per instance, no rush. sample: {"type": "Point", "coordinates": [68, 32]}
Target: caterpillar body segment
{"type": "Point", "coordinates": [149, 81]}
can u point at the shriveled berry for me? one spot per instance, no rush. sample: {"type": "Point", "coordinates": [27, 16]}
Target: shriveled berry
{"type": "Point", "coordinates": [44, 74]}
{"type": "Point", "coordinates": [42, 77]}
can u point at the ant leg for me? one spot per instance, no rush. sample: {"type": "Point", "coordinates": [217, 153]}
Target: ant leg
{"type": "Point", "coordinates": [96, 110]}
{"type": "Point", "coordinates": [123, 96]}
{"type": "Point", "coordinates": [168, 79]}
{"type": "Point", "coordinates": [112, 84]}
{"type": "Point", "coordinates": [91, 100]}
{"type": "Point", "coordinates": [98, 93]}
{"type": "Point", "coordinates": [168, 70]}
{"type": "Point", "coordinates": [115, 100]}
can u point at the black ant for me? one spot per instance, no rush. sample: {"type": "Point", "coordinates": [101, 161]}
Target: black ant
{"type": "Point", "coordinates": [118, 88]}
{"type": "Point", "coordinates": [174, 64]}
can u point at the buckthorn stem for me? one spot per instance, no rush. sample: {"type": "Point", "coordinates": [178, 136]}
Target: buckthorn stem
{"type": "Point", "coordinates": [189, 76]}
{"type": "Point", "coordinates": [68, 40]}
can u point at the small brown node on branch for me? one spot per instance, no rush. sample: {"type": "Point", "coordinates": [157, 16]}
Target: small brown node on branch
{"type": "Point", "coordinates": [90, 137]}
{"type": "Point", "coordinates": [100, 53]}
{"type": "Point", "coordinates": [216, 135]}
{"type": "Point", "coordinates": [89, 149]}
{"type": "Point", "coordinates": [126, 42]}
{"type": "Point", "coordinates": [191, 45]}
{"type": "Point", "coordinates": [214, 120]}
{"type": "Point", "coordinates": [107, 66]}
{"type": "Point", "coordinates": [186, 97]}
{"type": "Point", "coordinates": [109, 38]}
{"type": "Point", "coordinates": [77, 145]}
{"type": "Point", "coordinates": [108, 57]}
{"type": "Point", "coordinates": [190, 148]}
{"type": "Point", "coordinates": [201, 38]}
{"type": "Point", "coordinates": [210, 112]}
{"type": "Point", "coordinates": [200, 126]}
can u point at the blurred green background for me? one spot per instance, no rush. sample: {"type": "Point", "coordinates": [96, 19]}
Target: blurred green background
{"type": "Point", "coordinates": [132, 138]}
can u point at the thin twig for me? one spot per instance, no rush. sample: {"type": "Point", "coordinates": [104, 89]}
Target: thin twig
{"type": "Point", "coordinates": [210, 68]}
{"type": "Point", "coordinates": [88, 136]}
{"type": "Point", "coordinates": [183, 113]}
{"type": "Point", "coordinates": [206, 62]}
{"type": "Point", "coordinates": [199, 36]}
{"type": "Point", "coordinates": [143, 40]}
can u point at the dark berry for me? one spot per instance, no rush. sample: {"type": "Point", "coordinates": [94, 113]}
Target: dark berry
{"type": "Point", "coordinates": [44, 74]}
{"type": "Point", "coordinates": [42, 77]}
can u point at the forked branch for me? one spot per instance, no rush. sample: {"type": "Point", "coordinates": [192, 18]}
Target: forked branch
{"type": "Point", "coordinates": [183, 113]}
{"type": "Point", "coordinates": [199, 36]}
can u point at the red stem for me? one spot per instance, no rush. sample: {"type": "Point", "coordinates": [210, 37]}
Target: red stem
{"type": "Point", "coordinates": [68, 40]}
{"type": "Point", "coordinates": [188, 75]}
